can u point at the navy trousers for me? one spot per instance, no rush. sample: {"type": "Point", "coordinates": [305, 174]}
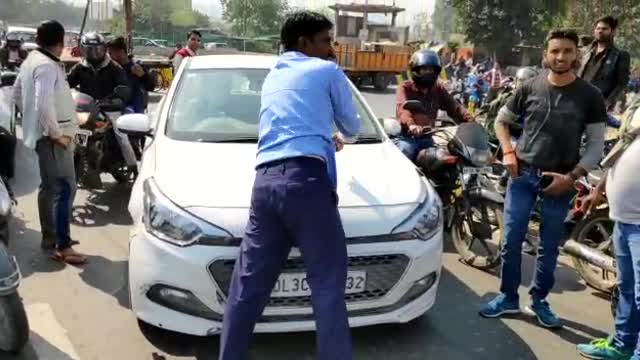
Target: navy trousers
{"type": "Point", "coordinates": [293, 204]}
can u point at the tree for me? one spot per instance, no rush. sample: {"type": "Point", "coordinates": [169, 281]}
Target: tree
{"type": "Point", "coordinates": [252, 18]}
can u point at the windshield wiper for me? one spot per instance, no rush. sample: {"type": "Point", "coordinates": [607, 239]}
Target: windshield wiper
{"type": "Point", "coordinates": [240, 140]}
{"type": "Point", "coordinates": [368, 140]}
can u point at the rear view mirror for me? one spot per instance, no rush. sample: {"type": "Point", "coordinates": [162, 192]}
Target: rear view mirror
{"type": "Point", "coordinates": [134, 124]}
{"type": "Point", "coordinates": [122, 92]}
{"type": "Point", "coordinates": [8, 79]}
{"type": "Point", "coordinates": [414, 106]}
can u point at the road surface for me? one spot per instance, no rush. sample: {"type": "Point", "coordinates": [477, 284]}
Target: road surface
{"type": "Point", "coordinates": [82, 313]}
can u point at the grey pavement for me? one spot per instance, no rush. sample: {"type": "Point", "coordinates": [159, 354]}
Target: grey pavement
{"type": "Point", "coordinates": [83, 313]}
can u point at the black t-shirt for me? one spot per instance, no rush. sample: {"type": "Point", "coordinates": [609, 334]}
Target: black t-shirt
{"type": "Point", "coordinates": [554, 121]}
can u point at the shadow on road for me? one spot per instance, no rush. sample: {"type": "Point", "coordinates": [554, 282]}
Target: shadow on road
{"type": "Point", "coordinates": [46, 349]}
{"type": "Point", "coordinates": [452, 330]}
{"type": "Point", "coordinates": [25, 245]}
{"type": "Point", "coordinates": [104, 207]}
{"type": "Point", "coordinates": [110, 277]}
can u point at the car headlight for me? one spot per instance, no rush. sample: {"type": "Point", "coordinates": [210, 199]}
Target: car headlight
{"type": "Point", "coordinates": [426, 219]}
{"type": "Point", "coordinates": [168, 222]}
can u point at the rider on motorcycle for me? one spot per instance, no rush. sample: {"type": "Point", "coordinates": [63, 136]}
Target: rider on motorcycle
{"type": "Point", "coordinates": [523, 74]}
{"type": "Point", "coordinates": [425, 67]}
{"type": "Point", "coordinates": [96, 75]}
{"type": "Point", "coordinates": [12, 54]}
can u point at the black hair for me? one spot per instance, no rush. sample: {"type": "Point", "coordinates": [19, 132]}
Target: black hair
{"type": "Point", "coordinates": [609, 20]}
{"type": "Point", "coordinates": [118, 43]}
{"type": "Point", "coordinates": [194, 32]}
{"type": "Point", "coordinates": [302, 24]}
{"type": "Point", "coordinates": [567, 34]}
{"type": "Point", "coordinates": [50, 33]}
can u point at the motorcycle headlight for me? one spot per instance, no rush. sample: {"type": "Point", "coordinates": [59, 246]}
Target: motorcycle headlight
{"type": "Point", "coordinates": [479, 157]}
{"type": "Point", "coordinates": [426, 220]}
{"type": "Point", "coordinates": [168, 222]}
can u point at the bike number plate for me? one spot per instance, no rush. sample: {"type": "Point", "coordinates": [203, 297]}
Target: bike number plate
{"type": "Point", "coordinates": [82, 137]}
{"type": "Point", "coordinates": [467, 170]}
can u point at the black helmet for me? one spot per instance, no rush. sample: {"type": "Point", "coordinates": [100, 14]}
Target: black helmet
{"type": "Point", "coordinates": [94, 48]}
{"type": "Point", "coordinates": [425, 58]}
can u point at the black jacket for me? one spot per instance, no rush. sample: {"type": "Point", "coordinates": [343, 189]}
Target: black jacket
{"type": "Point", "coordinates": [613, 76]}
{"type": "Point", "coordinates": [99, 82]}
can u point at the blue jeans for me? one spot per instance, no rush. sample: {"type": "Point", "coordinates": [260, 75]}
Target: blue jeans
{"type": "Point", "coordinates": [411, 146]}
{"type": "Point", "coordinates": [521, 197]}
{"type": "Point", "coordinates": [626, 240]}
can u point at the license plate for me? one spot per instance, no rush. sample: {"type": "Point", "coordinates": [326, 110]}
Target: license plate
{"type": "Point", "coordinates": [82, 137]}
{"type": "Point", "coordinates": [467, 170]}
{"type": "Point", "coordinates": [296, 284]}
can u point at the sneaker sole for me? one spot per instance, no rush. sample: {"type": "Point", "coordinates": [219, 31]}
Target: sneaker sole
{"type": "Point", "coordinates": [529, 311]}
{"type": "Point", "coordinates": [504, 312]}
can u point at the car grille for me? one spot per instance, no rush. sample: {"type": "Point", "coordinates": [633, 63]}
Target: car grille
{"type": "Point", "coordinates": [383, 272]}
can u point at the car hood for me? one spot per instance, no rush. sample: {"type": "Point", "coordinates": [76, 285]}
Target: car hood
{"type": "Point", "coordinates": [221, 175]}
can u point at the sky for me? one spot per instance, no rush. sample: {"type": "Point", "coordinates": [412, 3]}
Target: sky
{"type": "Point", "coordinates": [414, 7]}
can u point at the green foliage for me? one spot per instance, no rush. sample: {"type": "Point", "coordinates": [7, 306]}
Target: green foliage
{"type": "Point", "coordinates": [252, 18]}
{"type": "Point", "coordinates": [35, 11]}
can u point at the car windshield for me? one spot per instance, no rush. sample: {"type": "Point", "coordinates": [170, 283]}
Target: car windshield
{"type": "Point", "coordinates": [223, 105]}
{"type": "Point", "coordinates": [24, 36]}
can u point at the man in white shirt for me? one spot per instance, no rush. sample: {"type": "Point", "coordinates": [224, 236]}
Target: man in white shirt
{"type": "Point", "coordinates": [49, 126]}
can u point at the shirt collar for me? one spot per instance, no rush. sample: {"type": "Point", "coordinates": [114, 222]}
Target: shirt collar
{"type": "Point", "coordinates": [48, 54]}
{"type": "Point", "coordinates": [293, 55]}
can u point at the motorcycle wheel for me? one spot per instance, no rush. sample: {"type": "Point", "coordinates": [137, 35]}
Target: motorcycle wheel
{"type": "Point", "coordinates": [595, 232]}
{"type": "Point", "coordinates": [480, 253]}
{"type": "Point", "coordinates": [14, 326]}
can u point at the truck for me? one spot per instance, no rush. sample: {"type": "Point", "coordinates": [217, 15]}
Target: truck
{"type": "Point", "coordinates": [377, 65]}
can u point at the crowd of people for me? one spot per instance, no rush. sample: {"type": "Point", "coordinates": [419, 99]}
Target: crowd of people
{"type": "Point", "coordinates": [559, 110]}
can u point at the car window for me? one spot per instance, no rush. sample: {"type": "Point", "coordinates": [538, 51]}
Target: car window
{"type": "Point", "coordinates": [224, 104]}
{"type": "Point", "coordinates": [25, 37]}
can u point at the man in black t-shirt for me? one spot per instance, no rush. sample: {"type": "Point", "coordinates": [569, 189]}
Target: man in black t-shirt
{"type": "Point", "coordinates": [558, 109]}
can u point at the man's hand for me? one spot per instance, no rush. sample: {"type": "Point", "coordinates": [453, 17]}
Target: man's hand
{"type": "Point", "coordinates": [415, 130]}
{"type": "Point", "coordinates": [338, 139]}
{"type": "Point", "coordinates": [591, 201]}
{"type": "Point", "coordinates": [510, 161]}
{"type": "Point", "coordinates": [63, 141]}
{"type": "Point", "coordinates": [137, 70]}
{"type": "Point", "coordinates": [560, 185]}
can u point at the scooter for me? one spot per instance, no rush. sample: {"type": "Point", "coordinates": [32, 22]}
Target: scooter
{"type": "Point", "coordinates": [14, 326]}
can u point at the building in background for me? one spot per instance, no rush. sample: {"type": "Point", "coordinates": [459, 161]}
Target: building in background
{"type": "Point", "coordinates": [101, 10]}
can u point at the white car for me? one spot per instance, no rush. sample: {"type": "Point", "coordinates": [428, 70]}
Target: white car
{"type": "Point", "coordinates": [190, 205]}
{"type": "Point", "coordinates": [26, 34]}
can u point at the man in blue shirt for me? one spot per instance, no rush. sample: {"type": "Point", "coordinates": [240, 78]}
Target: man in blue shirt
{"type": "Point", "coordinates": [294, 200]}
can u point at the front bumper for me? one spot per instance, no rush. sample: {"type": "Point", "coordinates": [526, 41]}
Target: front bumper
{"type": "Point", "coordinates": [153, 264]}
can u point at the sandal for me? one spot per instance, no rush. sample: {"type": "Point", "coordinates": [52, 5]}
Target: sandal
{"type": "Point", "coordinates": [71, 259]}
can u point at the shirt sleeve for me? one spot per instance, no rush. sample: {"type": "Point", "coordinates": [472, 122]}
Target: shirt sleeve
{"type": "Point", "coordinates": [594, 145]}
{"type": "Point", "coordinates": [514, 107]}
{"type": "Point", "coordinates": [346, 117]}
{"type": "Point", "coordinates": [17, 93]}
{"type": "Point", "coordinates": [598, 111]}
{"type": "Point", "coordinates": [44, 81]}
{"type": "Point", "coordinates": [177, 60]}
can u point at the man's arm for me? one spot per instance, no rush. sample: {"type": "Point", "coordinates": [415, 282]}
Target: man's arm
{"type": "Point", "coordinates": [454, 109]}
{"type": "Point", "coordinates": [594, 133]}
{"type": "Point", "coordinates": [622, 78]}
{"type": "Point", "coordinates": [177, 60]}
{"type": "Point", "coordinates": [17, 93]}
{"type": "Point", "coordinates": [121, 78]}
{"type": "Point", "coordinates": [45, 79]}
{"type": "Point", "coordinates": [148, 80]}
{"type": "Point", "coordinates": [346, 117]}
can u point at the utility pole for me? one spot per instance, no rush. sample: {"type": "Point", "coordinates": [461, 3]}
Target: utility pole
{"type": "Point", "coordinates": [128, 22]}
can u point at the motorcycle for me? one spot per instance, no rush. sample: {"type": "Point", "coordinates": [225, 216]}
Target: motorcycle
{"type": "Point", "coordinates": [14, 327]}
{"type": "Point", "coordinates": [456, 166]}
{"type": "Point", "coordinates": [100, 146]}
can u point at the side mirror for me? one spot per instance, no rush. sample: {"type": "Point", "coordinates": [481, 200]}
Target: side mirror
{"type": "Point", "coordinates": [122, 92]}
{"type": "Point", "coordinates": [414, 106]}
{"type": "Point", "coordinates": [392, 127]}
{"type": "Point", "coordinates": [8, 79]}
{"type": "Point", "coordinates": [135, 124]}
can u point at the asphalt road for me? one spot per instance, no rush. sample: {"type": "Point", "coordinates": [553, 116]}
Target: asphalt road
{"type": "Point", "coordinates": [82, 313]}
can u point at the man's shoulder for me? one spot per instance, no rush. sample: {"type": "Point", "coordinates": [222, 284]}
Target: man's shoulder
{"type": "Point", "coordinates": [587, 88]}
